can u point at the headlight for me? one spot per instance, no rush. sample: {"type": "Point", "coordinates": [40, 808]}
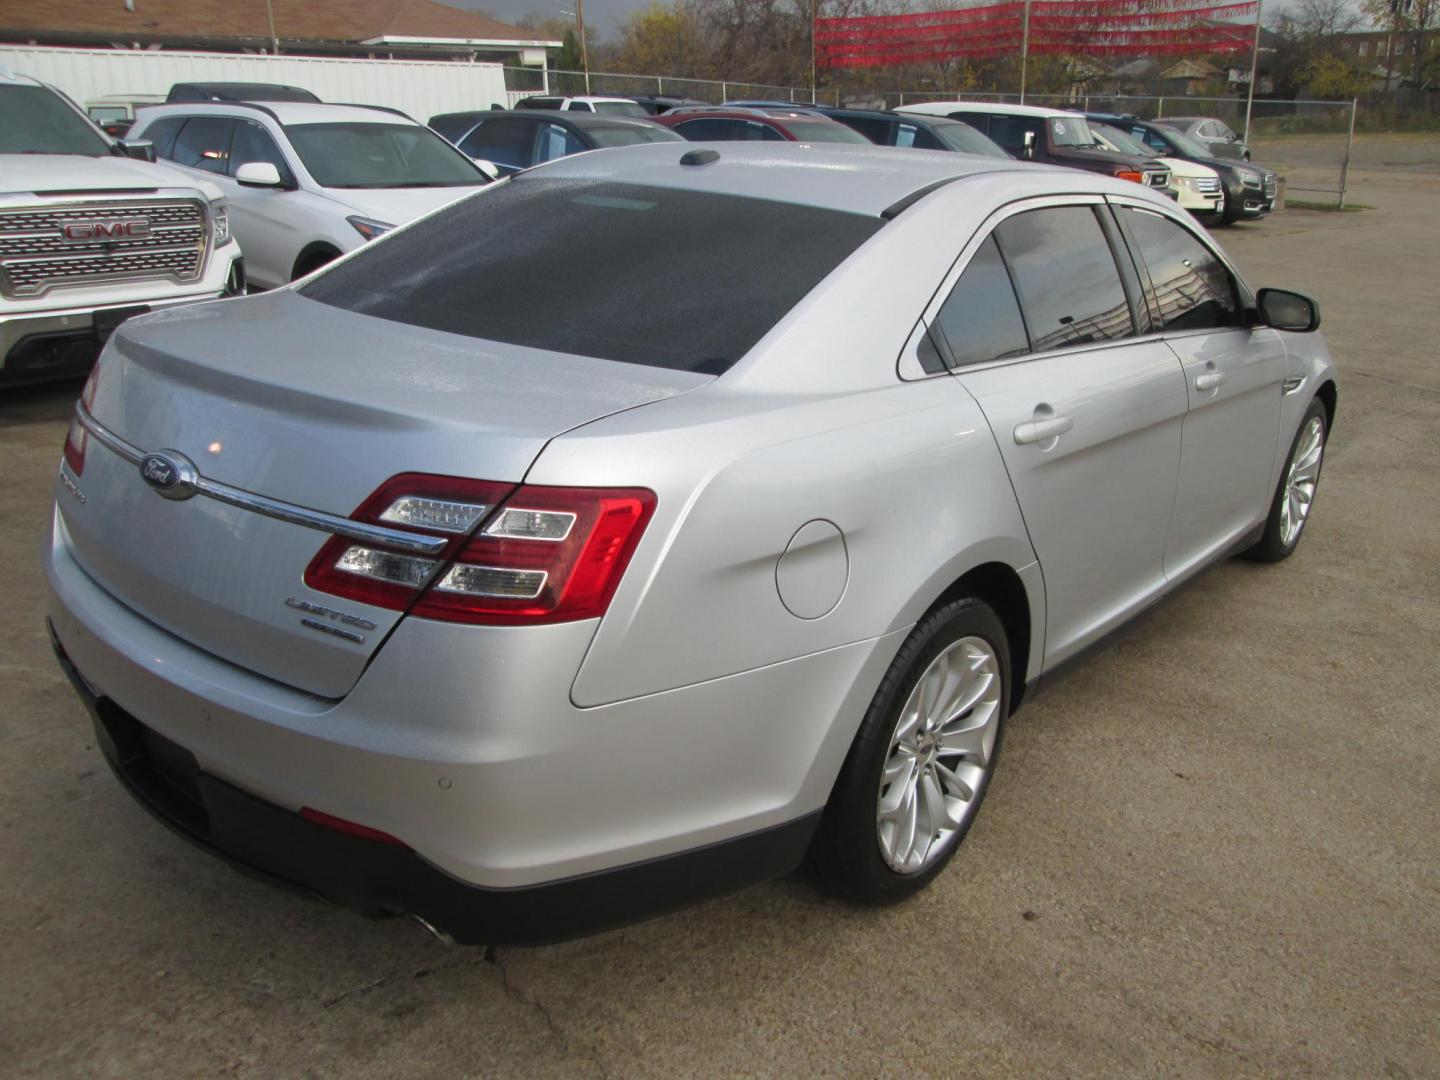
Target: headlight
{"type": "Point", "coordinates": [220, 222]}
{"type": "Point", "coordinates": [369, 228]}
{"type": "Point", "coordinates": [1249, 179]}
{"type": "Point", "coordinates": [1186, 181]}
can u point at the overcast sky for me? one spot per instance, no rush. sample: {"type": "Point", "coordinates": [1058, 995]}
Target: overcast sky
{"type": "Point", "coordinates": [603, 16]}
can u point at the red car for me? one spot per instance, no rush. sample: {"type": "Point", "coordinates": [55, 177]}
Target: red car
{"type": "Point", "coordinates": [772, 125]}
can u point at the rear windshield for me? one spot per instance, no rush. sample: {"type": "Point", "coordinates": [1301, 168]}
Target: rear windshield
{"type": "Point", "coordinates": [647, 275]}
{"type": "Point", "coordinates": [631, 135]}
{"type": "Point", "coordinates": [827, 130]}
{"type": "Point", "coordinates": [620, 108]}
{"type": "Point", "coordinates": [964, 139]}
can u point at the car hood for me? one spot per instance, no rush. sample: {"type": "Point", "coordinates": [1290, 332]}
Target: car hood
{"type": "Point", "coordinates": [1182, 167]}
{"type": "Point", "coordinates": [1110, 157]}
{"type": "Point", "coordinates": [396, 206]}
{"type": "Point", "coordinates": [24, 173]}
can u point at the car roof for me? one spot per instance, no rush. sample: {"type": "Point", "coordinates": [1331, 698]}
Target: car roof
{"type": "Point", "coordinates": [1195, 119]}
{"type": "Point", "coordinates": [6, 75]}
{"type": "Point", "coordinates": [945, 108]}
{"type": "Point", "coordinates": [550, 116]}
{"type": "Point", "coordinates": [286, 112]}
{"type": "Point", "coordinates": [833, 176]}
{"type": "Point", "coordinates": [248, 91]}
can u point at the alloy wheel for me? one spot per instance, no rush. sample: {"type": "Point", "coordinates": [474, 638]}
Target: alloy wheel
{"type": "Point", "coordinates": [939, 754]}
{"type": "Point", "coordinates": [1301, 479]}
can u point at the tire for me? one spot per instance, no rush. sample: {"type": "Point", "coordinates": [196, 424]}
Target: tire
{"type": "Point", "coordinates": [1282, 536]}
{"type": "Point", "coordinates": [313, 261]}
{"type": "Point", "coordinates": [849, 855]}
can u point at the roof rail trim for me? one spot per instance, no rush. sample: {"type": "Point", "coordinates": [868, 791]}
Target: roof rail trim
{"type": "Point", "coordinates": [898, 207]}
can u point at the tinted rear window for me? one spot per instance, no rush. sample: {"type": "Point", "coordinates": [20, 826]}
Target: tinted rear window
{"type": "Point", "coordinates": [647, 275]}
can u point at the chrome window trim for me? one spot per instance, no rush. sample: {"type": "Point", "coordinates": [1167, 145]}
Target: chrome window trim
{"type": "Point", "coordinates": [1247, 294]}
{"type": "Point", "coordinates": [274, 508]}
{"type": "Point", "coordinates": [908, 367]}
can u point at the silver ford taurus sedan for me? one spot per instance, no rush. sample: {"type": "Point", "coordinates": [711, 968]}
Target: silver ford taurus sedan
{"type": "Point", "coordinates": [659, 519]}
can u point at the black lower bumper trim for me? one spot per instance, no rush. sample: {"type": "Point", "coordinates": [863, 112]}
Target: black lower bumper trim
{"type": "Point", "coordinates": [378, 879]}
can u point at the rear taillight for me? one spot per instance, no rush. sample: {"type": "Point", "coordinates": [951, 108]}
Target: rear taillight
{"type": "Point", "coordinates": [77, 439]}
{"type": "Point", "coordinates": [1130, 174]}
{"type": "Point", "coordinates": [527, 555]}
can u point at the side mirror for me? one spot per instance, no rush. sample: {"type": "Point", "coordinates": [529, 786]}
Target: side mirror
{"type": "Point", "coordinates": [1281, 309]}
{"type": "Point", "coordinates": [489, 168]}
{"type": "Point", "coordinates": [258, 174]}
{"type": "Point", "coordinates": [1029, 145]}
{"type": "Point", "coordinates": [139, 149]}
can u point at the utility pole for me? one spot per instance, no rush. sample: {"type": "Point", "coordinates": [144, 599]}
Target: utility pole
{"type": "Point", "coordinates": [814, 10]}
{"type": "Point", "coordinates": [584, 49]}
{"type": "Point", "coordinates": [1024, 51]}
{"type": "Point", "coordinates": [1254, 67]}
{"type": "Point", "coordinates": [274, 39]}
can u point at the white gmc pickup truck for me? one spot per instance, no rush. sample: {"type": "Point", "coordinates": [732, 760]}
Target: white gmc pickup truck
{"type": "Point", "coordinates": [90, 236]}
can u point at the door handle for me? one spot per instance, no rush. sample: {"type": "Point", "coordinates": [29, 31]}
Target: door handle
{"type": "Point", "coordinates": [1035, 431]}
{"type": "Point", "coordinates": [1209, 381]}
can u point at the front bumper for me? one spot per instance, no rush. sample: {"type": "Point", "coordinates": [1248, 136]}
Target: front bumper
{"type": "Point", "coordinates": [379, 879]}
{"type": "Point", "coordinates": [40, 344]}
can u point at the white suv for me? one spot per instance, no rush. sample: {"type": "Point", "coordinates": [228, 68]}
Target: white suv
{"type": "Point", "coordinates": [614, 106]}
{"type": "Point", "coordinates": [309, 182]}
{"type": "Point", "coordinates": [89, 236]}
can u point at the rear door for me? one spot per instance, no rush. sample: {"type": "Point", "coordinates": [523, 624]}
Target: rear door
{"type": "Point", "coordinates": [1233, 376]}
{"type": "Point", "coordinates": [1041, 328]}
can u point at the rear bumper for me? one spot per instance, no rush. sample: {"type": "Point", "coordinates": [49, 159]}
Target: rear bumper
{"type": "Point", "coordinates": [463, 743]}
{"type": "Point", "coordinates": [380, 879]}
{"type": "Point", "coordinates": [58, 343]}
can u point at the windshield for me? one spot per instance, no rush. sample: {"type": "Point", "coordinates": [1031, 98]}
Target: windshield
{"type": "Point", "coordinates": [1069, 131]}
{"type": "Point", "coordinates": [359, 154]}
{"type": "Point", "coordinates": [824, 131]}
{"type": "Point", "coordinates": [667, 277]}
{"type": "Point", "coordinates": [966, 140]}
{"type": "Point", "coordinates": [1121, 142]}
{"type": "Point", "coordinates": [620, 108]}
{"type": "Point", "coordinates": [631, 136]}
{"type": "Point", "coordinates": [1186, 145]}
{"type": "Point", "coordinates": [37, 121]}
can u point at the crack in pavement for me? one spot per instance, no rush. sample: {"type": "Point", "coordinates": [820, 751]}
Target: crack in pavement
{"type": "Point", "coordinates": [492, 955]}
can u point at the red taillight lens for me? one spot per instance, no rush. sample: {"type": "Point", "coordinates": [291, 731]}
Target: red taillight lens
{"type": "Point", "coordinates": [547, 554]}
{"type": "Point", "coordinates": [448, 506]}
{"type": "Point", "coordinates": [551, 555]}
{"type": "Point", "coordinates": [1128, 174]}
{"type": "Point", "coordinates": [77, 439]}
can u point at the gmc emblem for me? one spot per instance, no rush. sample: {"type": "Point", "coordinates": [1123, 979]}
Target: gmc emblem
{"type": "Point", "coordinates": [134, 228]}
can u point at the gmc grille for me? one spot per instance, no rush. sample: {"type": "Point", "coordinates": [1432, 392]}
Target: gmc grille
{"type": "Point", "coordinates": [1157, 178]}
{"type": "Point", "coordinates": [37, 255]}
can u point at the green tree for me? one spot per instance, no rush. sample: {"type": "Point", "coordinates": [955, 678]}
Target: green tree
{"type": "Point", "coordinates": [1330, 78]}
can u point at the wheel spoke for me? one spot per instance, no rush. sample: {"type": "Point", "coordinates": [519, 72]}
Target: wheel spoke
{"type": "Point", "coordinates": [939, 755]}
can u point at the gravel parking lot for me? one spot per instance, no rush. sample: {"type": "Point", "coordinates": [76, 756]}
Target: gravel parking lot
{"type": "Point", "coordinates": [1210, 851]}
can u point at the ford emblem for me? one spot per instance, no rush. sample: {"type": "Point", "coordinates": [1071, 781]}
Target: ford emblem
{"type": "Point", "coordinates": [170, 474]}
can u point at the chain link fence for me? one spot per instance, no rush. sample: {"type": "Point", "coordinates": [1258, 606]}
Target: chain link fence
{"type": "Point", "coordinates": [1307, 142]}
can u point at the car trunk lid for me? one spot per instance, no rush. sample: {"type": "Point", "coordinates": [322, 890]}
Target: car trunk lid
{"type": "Point", "coordinates": [310, 406]}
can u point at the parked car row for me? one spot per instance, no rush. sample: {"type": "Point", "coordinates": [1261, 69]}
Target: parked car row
{"type": "Point", "coordinates": [299, 182]}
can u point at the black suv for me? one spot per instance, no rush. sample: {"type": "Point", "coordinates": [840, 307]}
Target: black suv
{"type": "Point", "coordinates": [1051, 136]}
{"type": "Point", "coordinates": [1249, 188]}
{"type": "Point", "coordinates": [512, 141]}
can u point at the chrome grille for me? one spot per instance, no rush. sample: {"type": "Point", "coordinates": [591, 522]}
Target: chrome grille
{"type": "Point", "coordinates": [1208, 185]}
{"type": "Point", "coordinates": [1270, 185]}
{"type": "Point", "coordinates": [1157, 178]}
{"type": "Point", "coordinates": [37, 255]}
